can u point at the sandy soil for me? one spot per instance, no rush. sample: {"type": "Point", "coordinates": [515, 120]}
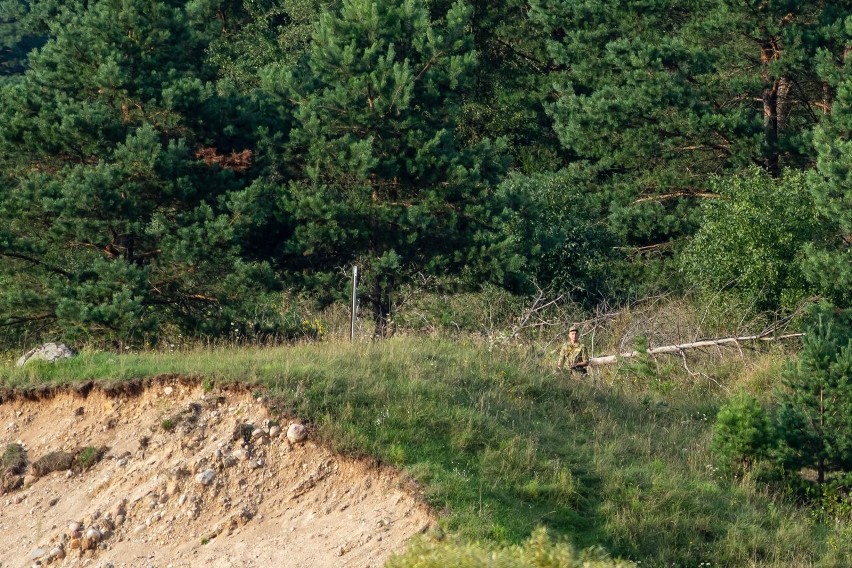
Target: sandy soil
{"type": "Point", "coordinates": [269, 502]}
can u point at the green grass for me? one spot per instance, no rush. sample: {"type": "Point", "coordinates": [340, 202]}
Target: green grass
{"type": "Point", "coordinates": [501, 446]}
{"type": "Point", "coordinates": [13, 460]}
{"type": "Point", "coordinates": [89, 456]}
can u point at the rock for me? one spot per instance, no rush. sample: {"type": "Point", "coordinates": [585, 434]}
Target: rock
{"type": "Point", "coordinates": [38, 553]}
{"type": "Point", "coordinates": [120, 508]}
{"type": "Point", "coordinates": [205, 477]}
{"type": "Point", "coordinates": [274, 431]}
{"type": "Point", "coordinates": [75, 544]}
{"type": "Point", "coordinates": [57, 552]}
{"type": "Point", "coordinates": [75, 529]}
{"type": "Point", "coordinates": [50, 352]}
{"type": "Point", "coordinates": [297, 433]}
{"type": "Point", "coordinates": [168, 391]}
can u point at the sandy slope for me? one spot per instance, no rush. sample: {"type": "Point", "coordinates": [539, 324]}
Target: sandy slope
{"type": "Point", "coordinates": [269, 503]}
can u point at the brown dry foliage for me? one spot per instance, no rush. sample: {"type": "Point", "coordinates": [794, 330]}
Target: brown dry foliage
{"type": "Point", "coordinates": [235, 161]}
{"type": "Point", "coordinates": [54, 461]}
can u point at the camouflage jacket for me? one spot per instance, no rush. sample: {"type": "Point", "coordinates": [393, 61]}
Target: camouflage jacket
{"type": "Point", "coordinates": [572, 354]}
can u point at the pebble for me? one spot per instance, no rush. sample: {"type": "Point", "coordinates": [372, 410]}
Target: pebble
{"type": "Point", "coordinates": [297, 433]}
{"type": "Point", "coordinates": [274, 431]}
{"type": "Point", "coordinates": [168, 391]}
{"type": "Point", "coordinates": [38, 553]}
{"type": "Point", "coordinates": [205, 477]}
{"type": "Point", "coordinates": [74, 530]}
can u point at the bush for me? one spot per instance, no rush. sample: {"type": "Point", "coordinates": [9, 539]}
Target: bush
{"type": "Point", "coordinates": [54, 461]}
{"type": "Point", "coordinates": [89, 456]}
{"type": "Point", "coordinates": [742, 433]}
{"type": "Point", "coordinates": [13, 460]}
{"type": "Point", "coordinates": [751, 238]}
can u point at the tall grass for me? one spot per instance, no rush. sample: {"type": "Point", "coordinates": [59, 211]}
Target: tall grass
{"type": "Point", "coordinates": [500, 445]}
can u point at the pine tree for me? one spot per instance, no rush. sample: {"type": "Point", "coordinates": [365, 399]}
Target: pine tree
{"type": "Point", "coordinates": [654, 97]}
{"type": "Point", "coordinates": [830, 262]}
{"type": "Point", "coordinates": [380, 178]}
{"type": "Point", "coordinates": [815, 411]}
{"type": "Point", "coordinates": [116, 178]}
{"type": "Point", "coordinates": [257, 34]}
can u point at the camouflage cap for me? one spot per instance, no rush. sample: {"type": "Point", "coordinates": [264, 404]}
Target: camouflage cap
{"type": "Point", "coordinates": [573, 328]}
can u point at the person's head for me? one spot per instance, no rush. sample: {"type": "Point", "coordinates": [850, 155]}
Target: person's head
{"type": "Point", "coordinates": [573, 334]}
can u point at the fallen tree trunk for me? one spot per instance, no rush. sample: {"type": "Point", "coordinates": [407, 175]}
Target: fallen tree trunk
{"type": "Point", "coordinates": [610, 359]}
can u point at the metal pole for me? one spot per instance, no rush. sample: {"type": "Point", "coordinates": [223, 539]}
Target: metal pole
{"type": "Point", "coordinates": [354, 303]}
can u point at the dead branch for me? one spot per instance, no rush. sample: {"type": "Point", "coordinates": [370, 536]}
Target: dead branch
{"type": "Point", "coordinates": [675, 195]}
{"type": "Point", "coordinates": [609, 359]}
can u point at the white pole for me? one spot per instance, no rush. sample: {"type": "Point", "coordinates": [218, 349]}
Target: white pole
{"type": "Point", "coordinates": [354, 303]}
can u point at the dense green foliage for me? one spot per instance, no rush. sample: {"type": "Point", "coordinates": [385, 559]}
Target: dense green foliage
{"type": "Point", "coordinates": [379, 176]}
{"type": "Point", "coordinates": [167, 167]}
{"type": "Point", "coordinates": [115, 219]}
{"type": "Point", "coordinates": [830, 261]}
{"type": "Point", "coordinates": [752, 238]}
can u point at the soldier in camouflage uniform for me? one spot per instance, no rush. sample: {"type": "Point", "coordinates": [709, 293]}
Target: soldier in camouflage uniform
{"type": "Point", "coordinates": [573, 355]}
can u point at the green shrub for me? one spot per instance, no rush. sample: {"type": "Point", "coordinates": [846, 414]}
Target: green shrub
{"type": "Point", "coordinates": [89, 456]}
{"type": "Point", "coordinates": [751, 238]}
{"type": "Point", "coordinates": [742, 433]}
{"type": "Point", "coordinates": [13, 460]}
{"type": "Point", "coordinates": [540, 551]}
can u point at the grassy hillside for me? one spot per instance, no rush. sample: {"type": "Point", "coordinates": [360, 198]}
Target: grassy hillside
{"type": "Point", "coordinates": [500, 445]}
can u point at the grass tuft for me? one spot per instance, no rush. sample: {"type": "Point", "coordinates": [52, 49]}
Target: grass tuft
{"type": "Point", "coordinates": [88, 457]}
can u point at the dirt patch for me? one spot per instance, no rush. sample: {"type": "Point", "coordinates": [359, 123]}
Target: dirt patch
{"type": "Point", "coordinates": [170, 475]}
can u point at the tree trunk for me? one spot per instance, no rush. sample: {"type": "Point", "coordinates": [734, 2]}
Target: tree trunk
{"type": "Point", "coordinates": [783, 102]}
{"type": "Point", "coordinates": [821, 460]}
{"type": "Point", "coordinates": [673, 349]}
{"type": "Point", "coordinates": [769, 53]}
{"type": "Point", "coordinates": [382, 306]}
